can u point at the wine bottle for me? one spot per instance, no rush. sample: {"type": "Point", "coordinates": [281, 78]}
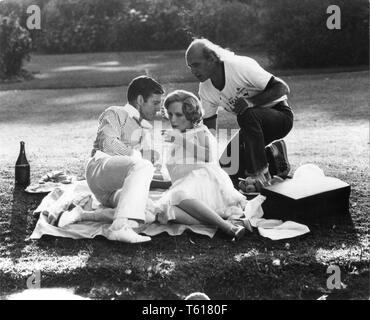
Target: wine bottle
{"type": "Point", "coordinates": [22, 168]}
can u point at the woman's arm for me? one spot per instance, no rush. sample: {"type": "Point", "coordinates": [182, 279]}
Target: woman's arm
{"type": "Point", "coordinates": [200, 148]}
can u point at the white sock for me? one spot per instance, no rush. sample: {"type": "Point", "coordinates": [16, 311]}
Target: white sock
{"type": "Point", "coordinates": [124, 222]}
{"type": "Point", "coordinates": [118, 224]}
{"type": "Point", "coordinates": [70, 217]}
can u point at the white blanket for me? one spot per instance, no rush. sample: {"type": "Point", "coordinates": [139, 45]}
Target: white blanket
{"type": "Point", "coordinates": [78, 193]}
{"type": "Point", "coordinates": [62, 197]}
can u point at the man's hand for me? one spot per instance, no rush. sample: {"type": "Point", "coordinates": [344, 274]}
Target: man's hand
{"type": "Point", "coordinates": [241, 104]}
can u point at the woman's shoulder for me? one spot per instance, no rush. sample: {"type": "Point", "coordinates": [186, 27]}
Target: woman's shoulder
{"type": "Point", "coordinates": [203, 129]}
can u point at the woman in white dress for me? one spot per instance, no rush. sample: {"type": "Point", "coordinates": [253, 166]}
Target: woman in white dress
{"type": "Point", "coordinates": [201, 191]}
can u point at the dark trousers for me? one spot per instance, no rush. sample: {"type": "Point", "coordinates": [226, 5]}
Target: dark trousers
{"type": "Point", "coordinates": [259, 127]}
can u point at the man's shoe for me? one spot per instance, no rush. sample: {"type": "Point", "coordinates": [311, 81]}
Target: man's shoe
{"type": "Point", "coordinates": [277, 158]}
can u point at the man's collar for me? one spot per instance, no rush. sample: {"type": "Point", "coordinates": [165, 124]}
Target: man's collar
{"type": "Point", "coordinates": [135, 114]}
{"type": "Point", "coordinates": [132, 111]}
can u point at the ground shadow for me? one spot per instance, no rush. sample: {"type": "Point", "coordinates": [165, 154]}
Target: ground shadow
{"type": "Point", "coordinates": [22, 221]}
{"type": "Point", "coordinates": [172, 267]}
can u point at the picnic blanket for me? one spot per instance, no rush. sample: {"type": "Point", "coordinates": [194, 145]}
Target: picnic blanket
{"type": "Point", "coordinates": [63, 197]}
{"type": "Point", "coordinates": [78, 194]}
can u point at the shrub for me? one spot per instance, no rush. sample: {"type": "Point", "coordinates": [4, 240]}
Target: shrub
{"type": "Point", "coordinates": [156, 26]}
{"type": "Point", "coordinates": [293, 32]}
{"type": "Point", "coordinates": [15, 46]}
{"type": "Point", "coordinates": [77, 26]}
{"type": "Point", "coordinates": [104, 25]}
{"type": "Point", "coordinates": [229, 23]}
{"type": "Point", "coordinates": [90, 26]}
{"type": "Point", "coordinates": [296, 33]}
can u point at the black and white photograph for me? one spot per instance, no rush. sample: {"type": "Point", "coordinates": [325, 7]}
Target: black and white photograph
{"type": "Point", "coordinates": [161, 151]}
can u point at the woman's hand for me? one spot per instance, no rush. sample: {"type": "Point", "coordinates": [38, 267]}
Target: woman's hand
{"type": "Point", "coordinates": [173, 136]}
{"type": "Point", "coordinates": [158, 166]}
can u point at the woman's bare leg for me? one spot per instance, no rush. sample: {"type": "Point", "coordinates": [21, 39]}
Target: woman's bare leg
{"type": "Point", "coordinates": [183, 217]}
{"type": "Point", "coordinates": [202, 212]}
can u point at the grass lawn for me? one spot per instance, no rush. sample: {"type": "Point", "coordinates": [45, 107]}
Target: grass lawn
{"type": "Point", "coordinates": [58, 125]}
{"type": "Point", "coordinates": [105, 69]}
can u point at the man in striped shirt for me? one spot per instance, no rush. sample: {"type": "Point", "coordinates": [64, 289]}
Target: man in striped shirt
{"type": "Point", "coordinates": [117, 173]}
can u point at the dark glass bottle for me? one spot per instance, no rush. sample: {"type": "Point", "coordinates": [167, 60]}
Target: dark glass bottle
{"type": "Point", "coordinates": [22, 169]}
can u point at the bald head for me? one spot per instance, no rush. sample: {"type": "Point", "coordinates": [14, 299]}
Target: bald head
{"type": "Point", "coordinates": [196, 48]}
{"type": "Point", "coordinates": [201, 59]}
{"type": "Point", "coordinates": [209, 50]}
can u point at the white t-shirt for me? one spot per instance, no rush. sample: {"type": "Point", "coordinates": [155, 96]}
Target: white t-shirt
{"type": "Point", "coordinates": [244, 77]}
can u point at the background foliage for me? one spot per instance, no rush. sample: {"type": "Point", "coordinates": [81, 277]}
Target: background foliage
{"type": "Point", "coordinates": [15, 46]}
{"type": "Point", "coordinates": [294, 33]}
{"type": "Point", "coordinates": [297, 36]}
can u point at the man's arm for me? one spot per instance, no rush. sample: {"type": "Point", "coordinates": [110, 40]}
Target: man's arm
{"type": "Point", "coordinates": [210, 111]}
{"type": "Point", "coordinates": [275, 89]}
{"type": "Point", "coordinates": [109, 136]}
{"type": "Point", "coordinates": [211, 123]}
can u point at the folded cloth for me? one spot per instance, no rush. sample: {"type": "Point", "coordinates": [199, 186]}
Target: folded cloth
{"type": "Point", "coordinates": [77, 195]}
{"type": "Point", "coordinates": [284, 230]}
{"type": "Point", "coordinates": [270, 228]}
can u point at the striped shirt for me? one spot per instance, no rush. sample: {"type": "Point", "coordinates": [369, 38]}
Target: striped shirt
{"type": "Point", "coordinates": [120, 131]}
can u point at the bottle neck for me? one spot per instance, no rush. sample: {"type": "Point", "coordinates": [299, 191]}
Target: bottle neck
{"type": "Point", "coordinates": [22, 155]}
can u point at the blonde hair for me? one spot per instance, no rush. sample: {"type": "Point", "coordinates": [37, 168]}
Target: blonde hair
{"type": "Point", "coordinates": [191, 105]}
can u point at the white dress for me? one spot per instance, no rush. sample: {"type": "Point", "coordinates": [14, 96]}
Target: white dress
{"type": "Point", "coordinates": [204, 181]}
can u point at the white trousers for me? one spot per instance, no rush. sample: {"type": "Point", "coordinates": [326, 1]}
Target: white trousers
{"type": "Point", "coordinates": [120, 182]}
